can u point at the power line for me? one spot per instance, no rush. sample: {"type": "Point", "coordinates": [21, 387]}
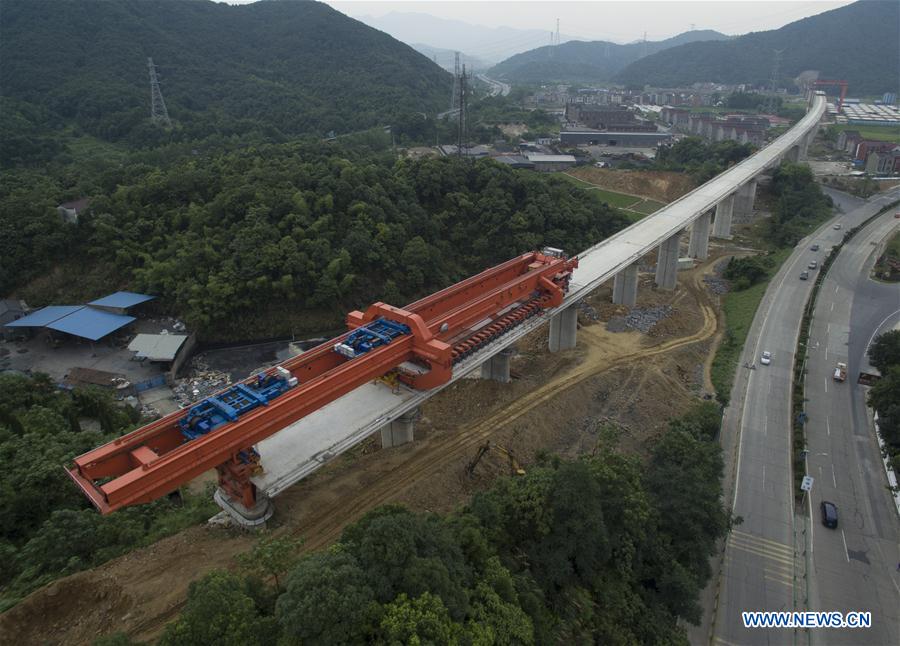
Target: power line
{"type": "Point", "coordinates": [158, 112]}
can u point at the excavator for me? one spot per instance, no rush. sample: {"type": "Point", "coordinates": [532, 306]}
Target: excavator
{"type": "Point", "coordinates": [514, 468]}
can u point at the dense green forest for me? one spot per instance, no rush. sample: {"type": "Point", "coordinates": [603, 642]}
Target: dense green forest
{"type": "Point", "coordinates": [47, 527]}
{"type": "Point", "coordinates": [856, 43]}
{"type": "Point", "coordinates": [884, 354]}
{"type": "Point", "coordinates": [242, 243]}
{"type": "Point", "coordinates": [606, 549]}
{"type": "Point", "coordinates": [701, 159]}
{"type": "Point", "coordinates": [275, 68]}
{"type": "Point", "coordinates": [586, 61]}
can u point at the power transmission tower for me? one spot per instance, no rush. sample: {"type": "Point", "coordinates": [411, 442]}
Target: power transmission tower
{"type": "Point", "coordinates": [462, 135]}
{"type": "Point", "coordinates": [557, 32]}
{"type": "Point", "coordinates": [644, 46]}
{"type": "Point", "coordinates": [158, 112]}
{"type": "Point", "coordinates": [772, 102]}
{"type": "Point", "coordinates": [454, 95]}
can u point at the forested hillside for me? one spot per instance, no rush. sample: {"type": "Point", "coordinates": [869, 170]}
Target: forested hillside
{"type": "Point", "coordinates": [606, 549]}
{"type": "Point", "coordinates": [857, 43]}
{"type": "Point", "coordinates": [586, 61]}
{"type": "Point", "coordinates": [241, 243]}
{"type": "Point", "coordinates": [278, 68]}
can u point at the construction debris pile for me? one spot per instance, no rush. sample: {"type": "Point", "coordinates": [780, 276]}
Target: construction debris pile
{"type": "Point", "coordinates": [588, 311]}
{"type": "Point", "coordinates": [717, 285]}
{"type": "Point", "coordinates": [640, 319]}
{"type": "Point", "coordinates": [201, 383]}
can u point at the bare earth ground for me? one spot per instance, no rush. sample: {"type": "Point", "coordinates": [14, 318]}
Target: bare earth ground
{"type": "Point", "coordinates": [556, 403]}
{"type": "Point", "coordinates": [659, 185]}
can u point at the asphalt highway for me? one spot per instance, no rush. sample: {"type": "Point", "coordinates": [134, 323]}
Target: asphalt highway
{"type": "Point", "coordinates": [764, 563]}
{"type": "Point", "coordinates": [852, 567]}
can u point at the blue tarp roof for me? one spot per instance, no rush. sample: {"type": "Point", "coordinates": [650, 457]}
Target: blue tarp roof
{"type": "Point", "coordinates": [90, 324]}
{"type": "Point", "coordinates": [122, 299]}
{"type": "Point", "coordinates": [45, 316]}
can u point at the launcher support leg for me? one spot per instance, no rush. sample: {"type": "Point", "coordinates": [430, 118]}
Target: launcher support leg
{"type": "Point", "coordinates": [238, 496]}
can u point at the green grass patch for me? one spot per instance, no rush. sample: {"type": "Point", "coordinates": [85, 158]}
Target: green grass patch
{"type": "Point", "coordinates": [618, 200]}
{"type": "Point", "coordinates": [739, 308]}
{"type": "Point", "coordinates": [647, 207]}
{"type": "Point", "coordinates": [891, 134]}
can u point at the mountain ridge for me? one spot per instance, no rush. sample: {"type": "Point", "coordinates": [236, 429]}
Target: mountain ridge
{"type": "Point", "coordinates": [290, 67]}
{"type": "Point", "coordinates": [586, 60]}
{"type": "Point", "coordinates": [857, 43]}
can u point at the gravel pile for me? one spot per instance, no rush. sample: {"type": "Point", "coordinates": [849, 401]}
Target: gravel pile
{"type": "Point", "coordinates": [588, 311]}
{"type": "Point", "coordinates": [640, 319]}
{"type": "Point", "coordinates": [717, 285]}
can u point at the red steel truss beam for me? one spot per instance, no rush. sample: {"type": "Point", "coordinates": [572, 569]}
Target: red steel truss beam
{"type": "Point", "coordinates": [154, 460]}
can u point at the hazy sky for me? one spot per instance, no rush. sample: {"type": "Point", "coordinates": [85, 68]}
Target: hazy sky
{"type": "Point", "coordinates": [606, 20]}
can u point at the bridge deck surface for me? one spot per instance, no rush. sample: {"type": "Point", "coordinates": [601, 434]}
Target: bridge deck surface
{"type": "Point", "coordinates": [306, 445]}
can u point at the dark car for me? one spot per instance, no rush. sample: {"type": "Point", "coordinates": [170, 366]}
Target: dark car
{"type": "Point", "coordinates": [815, 247]}
{"type": "Point", "coordinates": [804, 275]}
{"type": "Point", "coordinates": [829, 514]}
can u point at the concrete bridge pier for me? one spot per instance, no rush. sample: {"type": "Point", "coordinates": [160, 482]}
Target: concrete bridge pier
{"type": "Point", "coordinates": [564, 329]}
{"type": "Point", "coordinates": [804, 146]}
{"type": "Point", "coordinates": [722, 223]}
{"type": "Point", "coordinates": [667, 264]}
{"type": "Point", "coordinates": [793, 154]}
{"type": "Point", "coordinates": [625, 286]}
{"type": "Point", "coordinates": [746, 196]}
{"type": "Point", "coordinates": [497, 367]}
{"type": "Point", "coordinates": [401, 430]}
{"type": "Point", "coordinates": [698, 247]}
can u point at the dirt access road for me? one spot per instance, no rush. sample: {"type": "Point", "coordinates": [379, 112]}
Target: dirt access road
{"type": "Point", "coordinates": [557, 403]}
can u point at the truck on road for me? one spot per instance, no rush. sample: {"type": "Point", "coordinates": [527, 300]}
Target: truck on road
{"type": "Point", "coordinates": [840, 372]}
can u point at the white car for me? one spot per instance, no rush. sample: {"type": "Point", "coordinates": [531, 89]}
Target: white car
{"type": "Point", "coordinates": [837, 227]}
{"type": "Point", "coordinates": [766, 358]}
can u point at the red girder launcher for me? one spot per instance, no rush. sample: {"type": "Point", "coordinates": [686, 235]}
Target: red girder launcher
{"type": "Point", "coordinates": [421, 342]}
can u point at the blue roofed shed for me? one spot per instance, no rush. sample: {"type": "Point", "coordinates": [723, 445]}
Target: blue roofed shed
{"type": "Point", "coordinates": [90, 323]}
{"type": "Point", "coordinates": [120, 302]}
{"type": "Point", "coordinates": [45, 316]}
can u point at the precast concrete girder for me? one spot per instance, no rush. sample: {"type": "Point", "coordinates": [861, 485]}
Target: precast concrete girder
{"type": "Point", "coordinates": [625, 286]}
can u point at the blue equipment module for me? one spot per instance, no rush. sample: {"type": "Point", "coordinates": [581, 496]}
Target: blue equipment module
{"type": "Point", "coordinates": [230, 404]}
{"type": "Point", "coordinates": [368, 337]}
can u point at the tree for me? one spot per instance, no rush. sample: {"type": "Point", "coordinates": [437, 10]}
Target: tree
{"type": "Point", "coordinates": [219, 612]}
{"type": "Point", "coordinates": [271, 557]}
{"type": "Point", "coordinates": [419, 621]}
{"type": "Point", "coordinates": [327, 601]}
{"type": "Point", "coordinates": [885, 350]}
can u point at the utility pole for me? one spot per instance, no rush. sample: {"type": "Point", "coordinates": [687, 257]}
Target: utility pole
{"type": "Point", "coordinates": [462, 136]}
{"type": "Point", "coordinates": [158, 112]}
{"type": "Point", "coordinates": [454, 95]}
{"type": "Point", "coordinates": [772, 103]}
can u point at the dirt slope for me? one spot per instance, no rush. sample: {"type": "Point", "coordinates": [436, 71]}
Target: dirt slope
{"type": "Point", "coordinates": [658, 185]}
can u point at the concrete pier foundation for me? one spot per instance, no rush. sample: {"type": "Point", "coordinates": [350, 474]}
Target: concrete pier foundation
{"type": "Point", "coordinates": [625, 286]}
{"type": "Point", "coordinates": [699, 243]}
{"type": "Point", "coordinates": [400, 431]}
{"type": "Point", "coordinates": [564, 330]}
{"type": "Point", "coordinates": [243, 516]}
{"type": "Point", "coordinates": [497, 367]}
{"type": "Point", "coordinates": [722, 223]}
{"type": "Point", "coordinates": [667, 265]}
